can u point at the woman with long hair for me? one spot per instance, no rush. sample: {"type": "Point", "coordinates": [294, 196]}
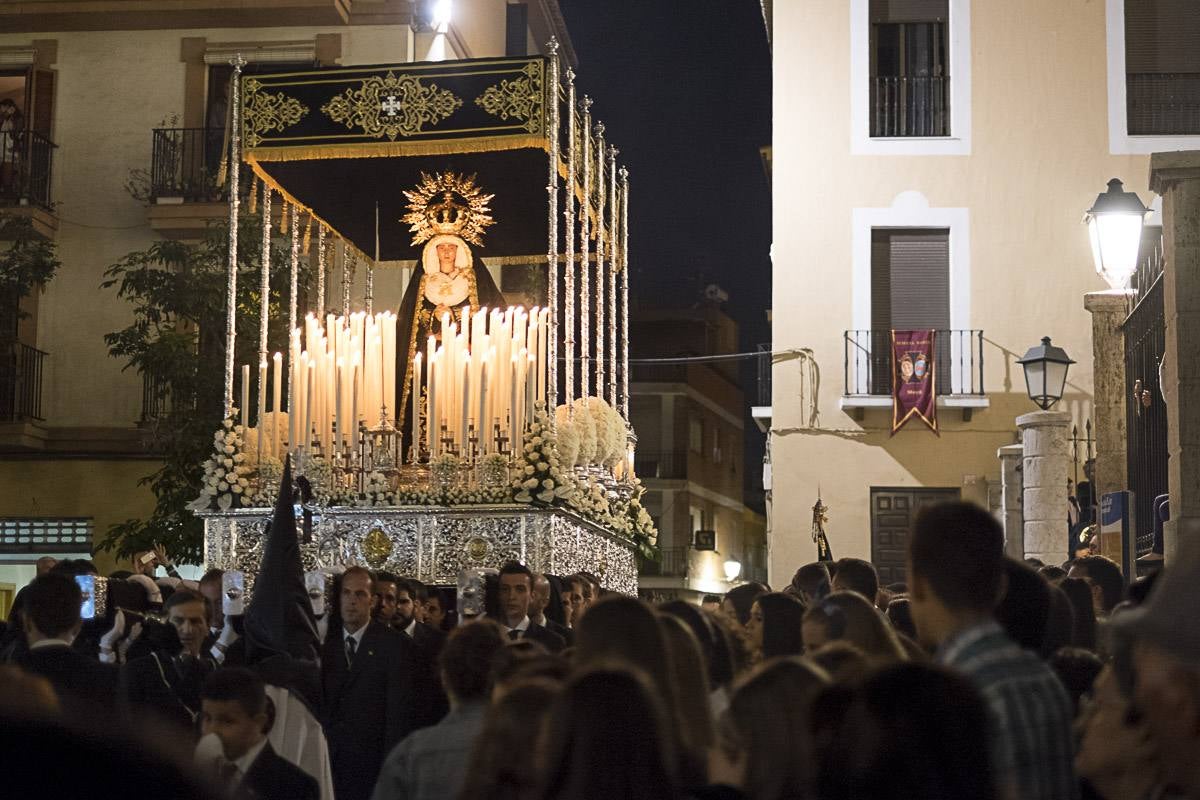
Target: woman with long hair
{"type": "Point", "coordinates": [493, 772]}
{"type": "Point", "coordinates": [607, 736]}
{"type": "Point", "coordinates": [1083, 612]}
{"type": "Point", "coordinates": [624, 630]}
{"type": "Point", "coordinates": [775, 625]}
{"type": "Point", "coordinates": [909, 730]}
{"type": "Point", "coordinates": [765, 747]}
{"type": "Point", "coordinates": [689, 676]}
{"type": "Point", "coordinates": [851, 617]}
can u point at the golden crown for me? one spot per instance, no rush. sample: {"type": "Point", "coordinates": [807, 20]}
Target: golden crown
{"type": "Point", "coordinates": [448, 203]}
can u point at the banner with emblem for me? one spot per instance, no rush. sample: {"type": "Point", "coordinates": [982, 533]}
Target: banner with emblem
{"type": "Point", "coordinates": [914, 378]}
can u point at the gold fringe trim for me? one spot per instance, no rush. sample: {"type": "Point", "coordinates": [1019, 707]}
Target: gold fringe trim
{"type": "Point", "coordinates": [283, 217]}
{"type": "Point", "coordinates": [475, 144]}
{"type": "Point", "coordinates": [307, 234]}
{"type": "Point", "coordinates": [254, 194]}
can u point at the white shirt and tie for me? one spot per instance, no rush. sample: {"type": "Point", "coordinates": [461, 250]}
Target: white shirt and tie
{"type": "Point", "coordinates": [412, 628]}
{"type": "Point", "coordinates": [352, 642]}
{"type": "Point", "coordinates": [518, 631]}
{"type": "Point", "coordinates": [233, 772]}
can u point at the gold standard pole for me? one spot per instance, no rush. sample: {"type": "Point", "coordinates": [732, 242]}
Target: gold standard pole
{"type": "Point", "coordinates": [614, 267]}
{"type": "Point", "coordinates": [552, 135]}
{"type": "Point", "coordinates": [585, 280]}
{"type": "Point", "coordinates": [235, 162]}
{"type": "Point", "coordinates": [569, 282]}
{"type": "Point", "coordinates": [264, 307]}
{"type": "Point", "coordinates": [600, 266]}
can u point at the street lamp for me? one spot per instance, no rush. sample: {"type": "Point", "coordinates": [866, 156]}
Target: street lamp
{"type": "Point", "coordinates": [733, 568]}
{"type": "Point", "coordinates": [1045, 373]}
{"type": "Point", "coordinates": [1115, 228]}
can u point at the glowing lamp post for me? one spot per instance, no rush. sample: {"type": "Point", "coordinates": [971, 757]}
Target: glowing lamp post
{"type": "Point", "coordinates": [733, 568]}
{"type": "Point", "coordinates": [1115, 228]}
{"type": "Point", "coordinates": [1046, 373]}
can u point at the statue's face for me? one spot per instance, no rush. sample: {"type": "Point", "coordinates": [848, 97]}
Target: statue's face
{"type": "Point", "coordinates": [446, 252]}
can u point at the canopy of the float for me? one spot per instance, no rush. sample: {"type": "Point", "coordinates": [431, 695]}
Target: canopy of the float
{"type": "Point", "coordinates": [337, 141]}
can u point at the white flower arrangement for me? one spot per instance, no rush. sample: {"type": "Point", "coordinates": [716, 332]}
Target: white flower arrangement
{"type": "Point", "coordinates": [540, 474]}
{"type": "Point", "coordinates": [227, 473]}
{"type": "Point", "coordinates": [377, 490]}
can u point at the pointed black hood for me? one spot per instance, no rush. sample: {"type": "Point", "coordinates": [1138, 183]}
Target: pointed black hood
{"type": "Point", "coordinates": [279, 620]}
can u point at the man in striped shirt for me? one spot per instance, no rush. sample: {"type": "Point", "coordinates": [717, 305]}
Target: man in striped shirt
{"type": "Point", "coordinates": [955, 576]}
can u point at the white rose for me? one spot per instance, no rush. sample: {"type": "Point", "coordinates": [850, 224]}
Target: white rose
{"type": "Point", "coordinates": [228, 449]}
{"type": "Point", "coordinates": [239, 457]}
{"type": "Point", "coordinates": [528, 470]}
{"type": "Point", "coordinates": [532, 483]}
{"type": "Point", "coordinates": [223, 486]}
{"type": "Point", "coordinates": [235, 489]}
{"type": "Point", "coordinates": [227, 424]}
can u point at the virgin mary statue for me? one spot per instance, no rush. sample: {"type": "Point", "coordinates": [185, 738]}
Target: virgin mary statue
{"type": "Point", "coordinates": [446, 212]}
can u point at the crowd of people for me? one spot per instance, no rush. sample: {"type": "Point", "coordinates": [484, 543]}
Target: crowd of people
{"type": "Point", "coordinates": [979, 677]}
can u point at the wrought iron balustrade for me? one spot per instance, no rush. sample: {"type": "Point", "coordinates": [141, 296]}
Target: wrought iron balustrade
{"type": "Point", "coordinates": [958, 363]}
{"type": "Point", "coordinates": [910, 106]}
{"type": "Point", "coordinates": [186, 164]}
{"type": "Point", "coordinates": [661, 465]}
{"type": "Point", "coordinates": [672, 563]}
{"type": "Point", "coordinates": [21, 368]}
{"type": "Point", "coordinates": [26, 158]}
{"type": "Point", "coordinates": [1163, 104]}
{"type": "Point", "coordinates": [764, 374]}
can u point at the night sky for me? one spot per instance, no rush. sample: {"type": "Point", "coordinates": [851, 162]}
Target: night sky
{"type": "Point", "coordinates": [684, 89]}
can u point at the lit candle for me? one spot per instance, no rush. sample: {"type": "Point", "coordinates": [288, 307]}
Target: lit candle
{"type": "Point", "coordinates": [309, 378]}
{"type": "Point", "coordinates": [513, 400]}
{"type": "Point", "coordinates": [262, 407]}
{"type": "Point", "coordinates": [484, 442]}
{"type": "Point", "coordinates": [245, 396]}
{"type": "Point", "coordinates": [275, 393]}
{"type": "Point", "coordinates": [338, 400]}
{"type": "Point", "coordinates": [356, 369]}
{"type": "Point", "coordinates": [543, 357]}
{"type": "Point", "coordinates": [431, 407]}
{"type": "Point", "coordinates": [463, 431]}
{"type": "Point", "coordinates": [414, 400]}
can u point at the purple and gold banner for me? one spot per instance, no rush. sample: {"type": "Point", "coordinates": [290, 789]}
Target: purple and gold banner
{"type": "Point", "coordinates": [914, 379]}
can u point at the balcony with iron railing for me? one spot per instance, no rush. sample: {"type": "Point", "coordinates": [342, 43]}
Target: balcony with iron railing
{"type": "Point", "coordinates": [910, 106]}
{"type": "Point", "coordinates": [1163, 104]}
{"type": "Point", "coordinates": [958, 363]}
{"type": "Point", "coordinates": [186, 183]}
{"type": "Point", "coordinates": [672, 563]}
{"type": "Point", "coordinates": [21, 370]}
{"type": "Point", "coordinates": [650, 464]}
{"type": "Point", "coordinates": [26, 158]}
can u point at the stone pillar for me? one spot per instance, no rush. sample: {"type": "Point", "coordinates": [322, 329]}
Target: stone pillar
{"type": "Point", "coordinates": [1108, 311]}
{"type": "Point", "coordinates": [1044, 461]}
{"type": "Point", "coordinates": [1176, 177]}
{"type": "Point", "coordinates": [1012, 514]}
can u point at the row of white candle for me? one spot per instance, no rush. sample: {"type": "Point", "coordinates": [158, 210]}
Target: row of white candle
{"type": "Point", "coordinates": [488, 370]}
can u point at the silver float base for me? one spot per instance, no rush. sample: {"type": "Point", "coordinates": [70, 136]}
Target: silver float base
{"type": "Point", "coordinates": [432, 544]}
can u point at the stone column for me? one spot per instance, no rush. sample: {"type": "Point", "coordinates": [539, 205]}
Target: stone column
{"type": "Point", "coordinates": [1108, 311]}
{"type": "Point", "coordinates": [1044, 461]}
{"type": "Point", "coordinates": [1012, 514]}
{"type": "Point", "coordinates": [1176, 177]}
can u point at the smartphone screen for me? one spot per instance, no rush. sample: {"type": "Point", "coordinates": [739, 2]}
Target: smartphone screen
{"type": "Point", "coordinates": [87, 585]}
{"type": "Point", "coordinates": [147, 558]}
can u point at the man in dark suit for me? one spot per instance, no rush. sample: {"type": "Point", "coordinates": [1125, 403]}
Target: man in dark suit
{"type": "Point", "coordinates": [167, 681]}
{"type": "Point", "coordinates": [51, 618]}
{"type": "Point", "coordinates": [367, 672]}
{"type": "Point", "coordinates": [516, 590]}
{"type": "Point", "coordinates": [539, 600]}
{"type": "Point", "coordinates": [431, 701]}
{"type": "Point", "coordinates": [234, 703]}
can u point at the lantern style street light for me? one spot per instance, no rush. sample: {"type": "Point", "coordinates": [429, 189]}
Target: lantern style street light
{"type": "Point", "coordinates": [1115, 227]}
{"type": "Point", "coordinates": [733, 568]}
{"type": "Point", "coordinates": [1046, 368]}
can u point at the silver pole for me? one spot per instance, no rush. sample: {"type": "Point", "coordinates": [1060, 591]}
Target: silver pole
{"type": "Point", "coordinates": [235, 162]}
{"type": "Point", "coordinates": [264, 310]}
{"type": "Point", "coordinates": [569, 282]}
{"type": "Point", "coordinates": [293, 300]}
{"type": "Point", "coordinates": [625, 294]}
{"type": "Point", "coordinates": [614, 267]}
{"type": "Point", "coordinates": [348, 264]}
{"type": "Point", "coordinates": [552, 135]}
{"type": "Point", "coordinates": [321, 244]}
{"type": "Point", "coordinates": [585, 285]}
{"type": "Point", "coordinates": [600, 266]}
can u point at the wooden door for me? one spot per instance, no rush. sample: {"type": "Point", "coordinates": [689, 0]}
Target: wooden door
{"type": "Point", "coordinates": [892, 515]}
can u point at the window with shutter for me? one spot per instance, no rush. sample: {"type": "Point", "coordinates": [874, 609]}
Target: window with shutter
{"type": "Point", "coordinates": [909, 68]}
{"type": "Point", "coordinates": [1162, 67]}
{"type": "Point", "coordinates": [910, 290]}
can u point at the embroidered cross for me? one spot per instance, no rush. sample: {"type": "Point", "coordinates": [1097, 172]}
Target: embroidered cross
{"type": "Point", "coordinates": [391, 105]}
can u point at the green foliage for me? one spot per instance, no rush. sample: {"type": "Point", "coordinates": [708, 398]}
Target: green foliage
{"type": "Point", "coordinates": [29, 261]}
{"type": "Point", "coordinates": [177, 337]}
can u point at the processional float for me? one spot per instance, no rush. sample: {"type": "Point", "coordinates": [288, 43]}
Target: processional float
{"type": "Point", "coordinates": [484, 417]}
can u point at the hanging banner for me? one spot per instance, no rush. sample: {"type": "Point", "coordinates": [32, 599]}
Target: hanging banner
{"type": "Point", "coordinates": [914, 379]}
